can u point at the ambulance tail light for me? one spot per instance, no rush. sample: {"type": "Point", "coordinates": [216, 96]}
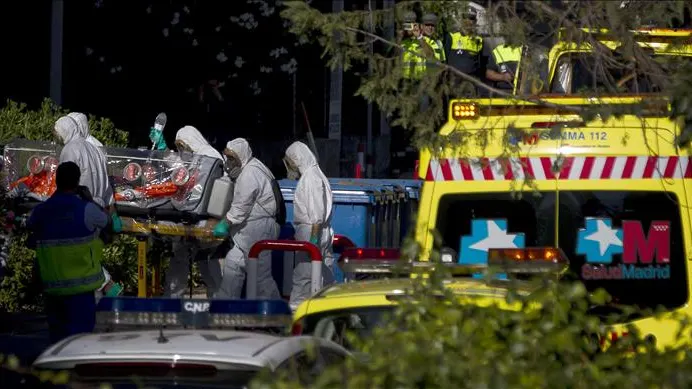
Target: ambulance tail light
{"type": "Point", "coordinates": [464, 111]}
{"type": "Point", "coordinates": [297, 328]}
{"type": "Point", "coordinates": [529, 260]}
{"type": "Point", "coordinates": [127, 313]}
{"type": "Point", "coordinates": [617, 339]}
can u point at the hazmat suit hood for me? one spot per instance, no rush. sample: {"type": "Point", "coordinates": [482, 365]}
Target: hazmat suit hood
{"type": "Point", "coordinates": [82, 123]}
{"type": "Point", "coordinates": [252, 216]}
{"type": "Point", "coordinates": [301, 156]}
{"type": "Point", "coordinates": [67, 129]}
{"type": "Point", "coordinates": [194, 139]}
{"type": "Point", "coordinates": [90, 159]}
{"type": "Point", "coordinates": [83, 127]}
{"type": "Point", "coordinates": [312, 207]}
{"type": "Point", "coordinates": [242, 149]}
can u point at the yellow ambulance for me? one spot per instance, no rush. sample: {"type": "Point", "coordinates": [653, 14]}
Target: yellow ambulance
{"type": "Point", "coordinates": [608, 195]}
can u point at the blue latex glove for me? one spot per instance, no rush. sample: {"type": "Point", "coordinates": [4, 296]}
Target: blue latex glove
{"type": "Point", "coordinates": [221, 229]}
{"type": "Point", "coordinates": [117, 222]}
{"type": "Point", "coordinates": [157, 139]}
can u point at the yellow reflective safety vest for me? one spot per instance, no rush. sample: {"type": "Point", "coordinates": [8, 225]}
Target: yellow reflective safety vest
{"type": "Point", "coordinates": [468, 43]}
{"type": "Point", "coordinates": [412, 62]}
{"type": "Point", "coordinates": [505, 54]}
{"type": "Point", "coordinates": [508, 59]}
{"type": "Point", "coordinates": [68, 252]}
{"type": "Point", "coordinates": [437, 48]}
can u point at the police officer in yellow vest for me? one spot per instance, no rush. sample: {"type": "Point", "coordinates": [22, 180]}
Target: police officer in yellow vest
{"type": "Point", "coordinates": [463, 47]}
{"type": "Point", "coordinates": [413, 62]}
{"type": "Point", "coordinates": [503, 66]}
{"type": "Point", "coordinates": [429, 26]}
{"type": "Point", "coordinates": [65, 229]}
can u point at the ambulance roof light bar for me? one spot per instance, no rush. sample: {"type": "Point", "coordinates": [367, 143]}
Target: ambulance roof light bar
{"type": "Point", "coordinates": [532, 260]}
{"type": "Point", "coordinates": [529, 260]}
{"type": "Point", "coordinates": [128, 313]}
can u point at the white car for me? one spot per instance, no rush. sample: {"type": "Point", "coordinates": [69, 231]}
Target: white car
{"type": "Point", "coordinates": [186, 358]}
{"type": "Point", "coordinates": [191, 347]}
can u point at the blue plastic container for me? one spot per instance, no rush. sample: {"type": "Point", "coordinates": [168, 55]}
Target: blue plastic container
{"type": "Point", "coordinates": [388, 212]}
{"type": "Point", "coordinates": [370, 212]}
{"type": "Point", "coordinates": [377, 233]}
{"type": "Point", "coordinates": [402, 199]}
{"type": "Point", "coordinates": [409, 209]}
{"type": "Point", "coordinates": [353, 210]}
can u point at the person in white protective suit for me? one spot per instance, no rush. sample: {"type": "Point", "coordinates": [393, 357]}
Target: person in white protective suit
{"type": "Point", "coordinates": [188, 139]}
{"type": "Point", "coordinates": [312, 214]}
{"type": "Point", "coordinates": [92, 165]}
{"type": "Point", "coordinates": [251, 218]}
{"type": "Point", "coordinates": [90, 159]}
{"type": "Point", "coordinates": [83, 126]}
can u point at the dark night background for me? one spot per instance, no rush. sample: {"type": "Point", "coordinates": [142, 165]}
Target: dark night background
{"type": "Point", "coordinates": [163, 74]}
{"type": "Point", "coordinates": [118, 64]}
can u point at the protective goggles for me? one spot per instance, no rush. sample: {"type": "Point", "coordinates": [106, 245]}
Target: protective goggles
{"type": "Point", "coordinates": [182, 147]}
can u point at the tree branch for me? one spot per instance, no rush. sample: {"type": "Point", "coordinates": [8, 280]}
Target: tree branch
{"type": "Point", "coordinates": [467, 77]}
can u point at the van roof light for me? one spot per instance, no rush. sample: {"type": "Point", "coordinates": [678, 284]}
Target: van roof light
{"type": "Point", "coordinates": [121, 313]}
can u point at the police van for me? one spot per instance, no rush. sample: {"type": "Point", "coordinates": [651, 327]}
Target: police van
{"type": "Point", "coordinates": [163, 343]}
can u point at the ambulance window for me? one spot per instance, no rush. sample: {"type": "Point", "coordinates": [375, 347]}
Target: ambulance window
{"type": "Point", "coordinates": [628, 243]}
{"type": "Point", "coordinates": [532, 216]}
{"type": "Point", "coordinates": [578, 73]}
{"type": "Point", "coordinates": [614, 240]}
{"type": "Point", "coordinates": [586, 73]}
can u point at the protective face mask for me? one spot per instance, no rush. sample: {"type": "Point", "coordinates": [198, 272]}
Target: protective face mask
{"type": "Point", "coordinates": [182, 147]}
{"type": "Point", "coordinates": [233, 167]}
{"type": "Point", "coordinates": [234, 172]}
{"type": "Point", "coordinates": [57, 139]}
{"type": "Point", "coordinates": [291, 173]}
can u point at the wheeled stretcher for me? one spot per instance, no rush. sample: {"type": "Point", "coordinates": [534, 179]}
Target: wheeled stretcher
{"type": "Point", "coordinates": [160, 194]}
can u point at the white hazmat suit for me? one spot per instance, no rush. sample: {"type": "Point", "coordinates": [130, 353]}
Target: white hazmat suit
{"type": "Point", "coordinates": [90, 159]}
{"type": "Point", "coordinates": [312, 205]}
{"type": "Point", "coordinates": [179, 267]}
{"type": "Point", "coordinates": [252, 217]}
{"type": "Point", "coordinates": [83, 126]}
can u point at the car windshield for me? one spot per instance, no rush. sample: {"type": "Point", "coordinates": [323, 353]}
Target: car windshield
{"type": "Point", "coordinates": [627, 242]}
{"type": "Point", "coordinates": [583, 73]}
{"type": "Point", "coordinates": [333, 325]}
{"type": "Point", "coordinates": [157, 375]}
